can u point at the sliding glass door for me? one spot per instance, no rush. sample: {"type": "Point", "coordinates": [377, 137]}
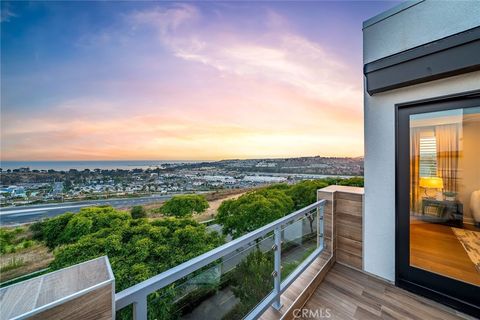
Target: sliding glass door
{"type": "Point", "coordinates": [438, 200]}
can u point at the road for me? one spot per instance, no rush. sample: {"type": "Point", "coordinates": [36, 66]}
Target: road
{"type": "Point", "coordinates": [27, 214]}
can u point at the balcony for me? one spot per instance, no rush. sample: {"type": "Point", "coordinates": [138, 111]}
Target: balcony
{"type": "Point", "coordinates": [306, 265]}
{"type": "Point", "coordinates": [346, 293]}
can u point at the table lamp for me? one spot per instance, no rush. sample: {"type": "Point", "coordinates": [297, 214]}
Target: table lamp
{"type": "Point", "coordinates": [431, 183]}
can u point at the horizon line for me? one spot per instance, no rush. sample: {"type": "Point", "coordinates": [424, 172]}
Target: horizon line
{"type": "Point", "coordinates": [188, 160]}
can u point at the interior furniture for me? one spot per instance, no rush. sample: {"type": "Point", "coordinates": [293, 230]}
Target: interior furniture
{"type": "Point", "coordinates": [442, 211]}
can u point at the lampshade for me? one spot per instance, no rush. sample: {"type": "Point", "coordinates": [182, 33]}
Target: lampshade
{"type": "Point", "coordinates": [431, 182]}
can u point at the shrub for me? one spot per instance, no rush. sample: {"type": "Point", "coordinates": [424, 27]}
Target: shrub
{"type": "Point", "coordinates": [138, 212]}
{"type": "Point", "coordinates": [305, 192]}
{"type": "Point", "coordinates": [184, 205]}
{"type": "Point", "coordinates": [6, 238]}
{"type": "Point", "coordinates": [251, 282]}
{"type": "Point", "coordinates": [253, 210]}
{"type": "Point", "coordinates": [12, 240]}
{"type": "Point", "coordinates": [53, 229]}
{"type": "Point", "coordinates": [76, 228]}
{"type": "Point", "coordinates": [137, 249]}
{"type": "Point", "coordinates": [257, 208]}
{"type": "Point", "coordinates": [27, 244]}
{"type": "Point", "coordinates": [354, 182]}
{"type": "Point", "coordinates": [37, 230]}
{"type": "Point", "coordinates": [68, 228]}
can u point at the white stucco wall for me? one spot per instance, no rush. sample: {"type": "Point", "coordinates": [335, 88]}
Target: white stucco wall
{"type": "Point", "coordinates": [421, 23]}
{"type": "Point", "coordinates": [424, 22]}
{"type": "Point", "coordinates": [379, 215]}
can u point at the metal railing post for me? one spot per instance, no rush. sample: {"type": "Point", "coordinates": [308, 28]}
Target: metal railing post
{"type": "Point", "coordinates": [320, 226]}
{"type": "Point", "coordinates": [140, 309]}
{"type": "Point", "coordinates": [277, 273]}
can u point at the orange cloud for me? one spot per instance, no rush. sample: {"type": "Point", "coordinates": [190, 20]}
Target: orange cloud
{"type": "Point", "coordinates": [273, 95]}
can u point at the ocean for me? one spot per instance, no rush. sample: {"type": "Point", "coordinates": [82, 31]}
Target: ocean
{"type": "Point", "coordinates": [81, 165]}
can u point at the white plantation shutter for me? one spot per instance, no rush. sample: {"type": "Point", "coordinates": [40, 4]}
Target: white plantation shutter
{"type": "Point", "coordinates": [428, 157]}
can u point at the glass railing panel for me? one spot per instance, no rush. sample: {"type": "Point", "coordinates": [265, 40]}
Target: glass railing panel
{"type": "Point", "coordinates": [227, 289]}
{"type": "Point", "coordinates": [246, 280]}
{"type": "Point", "coordinates": [299, 241]}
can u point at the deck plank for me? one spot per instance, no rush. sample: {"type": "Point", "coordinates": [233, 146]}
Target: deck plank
{"type": "Point", "coordinates": [352, 294]}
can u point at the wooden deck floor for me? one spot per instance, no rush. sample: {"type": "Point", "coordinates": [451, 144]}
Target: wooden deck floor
{"type": "Point", "coordinates": [290, 296]}
{"type": "Point", "coordinates": [350, 294]}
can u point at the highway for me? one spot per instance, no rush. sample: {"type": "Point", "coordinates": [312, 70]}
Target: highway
{"type": "Point", "coordinates": [26, 214]}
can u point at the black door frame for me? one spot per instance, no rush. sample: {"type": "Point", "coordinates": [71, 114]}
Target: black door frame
{"type": "Point", "coordinates": [459, 295]}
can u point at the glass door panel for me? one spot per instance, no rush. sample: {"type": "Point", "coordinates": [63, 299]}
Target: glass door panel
{"type": "Point", "coordinates": [444, 193]}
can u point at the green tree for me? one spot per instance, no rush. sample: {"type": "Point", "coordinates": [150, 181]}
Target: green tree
{"type": "Point", "coordinates": [184, 205]}
{"type": "Point", "coordinates": [253, 210]}
{"type": "Point", "coordinates": [77, 227]}
{"type": "Point", "coordinates": [305, 192]}
{"type": "Point", "coordinates": [137, 249]}
{"type": "Point", "coordinates": [138, 212]}
{"type": "Point", "coordinates": [353, 182]}
{"type": "Point", "coordinates": [251, 282]}
{"type": "Point", "coordinates": [257, 208]}
{"type": "Point", "coordinates": [68, 228]}
{"type": "Point", "coordinates": [51, 230]}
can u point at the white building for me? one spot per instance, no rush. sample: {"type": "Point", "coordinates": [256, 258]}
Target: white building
{"type": "Point", "coordinates": [422, 98]}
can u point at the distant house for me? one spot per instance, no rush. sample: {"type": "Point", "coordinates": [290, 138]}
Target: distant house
{"type": "Point", "coordinates": [264, 179]}
{"type": "Point", "coordinates": [265, 164]}
{"type": "Point", "coordinates": [14, 192]}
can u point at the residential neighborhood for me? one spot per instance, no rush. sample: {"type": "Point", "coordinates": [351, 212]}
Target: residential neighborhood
{"type": "Point", "coordinates": [22, 186]}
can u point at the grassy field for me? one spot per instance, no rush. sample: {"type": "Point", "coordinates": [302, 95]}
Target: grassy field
{"type": "Point", "coordinates": [214, 204]}
{"type": "Point", "coordinates": [29, 260]}
{"type": "Point", "coordinates": [20, 254]}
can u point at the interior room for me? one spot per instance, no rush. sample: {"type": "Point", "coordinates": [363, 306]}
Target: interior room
{"type": "Point", "coordinates": [445, 193]}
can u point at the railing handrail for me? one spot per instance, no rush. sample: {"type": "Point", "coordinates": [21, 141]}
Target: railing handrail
{"type": "Point", "coordinates": [140, 290]}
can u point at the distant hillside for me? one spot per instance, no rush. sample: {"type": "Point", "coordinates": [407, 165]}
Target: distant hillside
{"type": "Point", "coordinates": [306, 165]}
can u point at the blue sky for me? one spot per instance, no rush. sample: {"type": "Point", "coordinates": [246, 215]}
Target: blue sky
{"type": "Point", "coordinates": [174, 80]}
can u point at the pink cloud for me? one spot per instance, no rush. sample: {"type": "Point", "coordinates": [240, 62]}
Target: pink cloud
{"type": "Point", "coordinates": [233, 95]}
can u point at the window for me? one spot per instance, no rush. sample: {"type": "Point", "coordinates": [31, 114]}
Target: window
{"type": "Point", "coordinates": [428, 157]}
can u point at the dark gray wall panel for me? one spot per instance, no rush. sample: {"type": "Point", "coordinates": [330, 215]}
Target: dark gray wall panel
{"type": "Point", "coordinates": [446, 57]}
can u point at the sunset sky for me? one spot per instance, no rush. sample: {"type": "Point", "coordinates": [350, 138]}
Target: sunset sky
{"type": "Point", "coordinates": [205, 81]}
